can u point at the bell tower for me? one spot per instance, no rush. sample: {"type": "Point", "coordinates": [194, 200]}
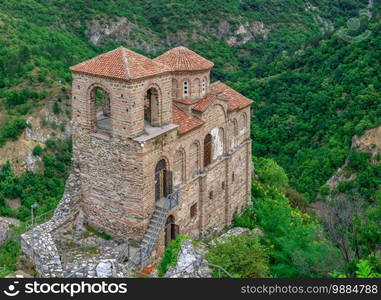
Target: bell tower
{"type": "Point", "coordinates": [116, 98]}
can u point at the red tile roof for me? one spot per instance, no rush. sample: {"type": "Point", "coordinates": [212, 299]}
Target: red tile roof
{"type": "Point", "coordinates": [236, 100]}
{"type": "Point", "coordinates": [121, 63]}
{"type": "Point", "coordinates": [203, 104]}
{"type": "Point", "coordinates": [183, 59]}
{"type": "Point", "coordinates": [186, 122]}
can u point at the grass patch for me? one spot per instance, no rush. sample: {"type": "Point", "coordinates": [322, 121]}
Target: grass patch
{"type": "Point", "coordinates": [98, 233]}
{"type": "Point", "coordinates": [170, 254]}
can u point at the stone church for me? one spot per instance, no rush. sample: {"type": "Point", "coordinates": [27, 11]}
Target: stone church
{"type": "Point", "coordinates": [161, 150]}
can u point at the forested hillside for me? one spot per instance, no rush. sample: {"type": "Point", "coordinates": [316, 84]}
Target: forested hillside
{"type": "Point", "coordinates": [313, 91]}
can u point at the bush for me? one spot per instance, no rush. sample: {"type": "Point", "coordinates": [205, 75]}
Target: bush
{"type": "Point", "coordinates": [8, 257]}
{"type": "Point", "coordinates": [242, 256]}
{"type": "Point", "coordinates": [270, 173]}
{"type": "Point", "coordinates": [246, 220]}
{"type": "Point", "coordinates": [170, 254]}
{"type": "Point", "coordinates": [37, 150]}
{"type": "Point", "coordinates": [56, 108]}
{"type": "Point", "coordinates": [12, 129]}
{"type": "Point", "coordinates": [296, 199]}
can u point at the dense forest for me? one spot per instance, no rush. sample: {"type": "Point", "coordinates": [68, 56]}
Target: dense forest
{"type": "Point", "coordinates": [314, 83]}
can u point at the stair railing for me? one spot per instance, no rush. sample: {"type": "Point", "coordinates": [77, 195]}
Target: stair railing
{"type": "Point", "coordinates": [144, 252]}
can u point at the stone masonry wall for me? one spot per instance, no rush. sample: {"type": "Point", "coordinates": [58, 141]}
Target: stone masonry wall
{"type": "Point", "coordinates": [38, 244]}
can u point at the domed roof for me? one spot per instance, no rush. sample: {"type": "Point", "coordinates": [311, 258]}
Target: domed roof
{"type": "Point", "coordinates": [184, 59]}
{"type": "Point", "coordinates": [121, 63]}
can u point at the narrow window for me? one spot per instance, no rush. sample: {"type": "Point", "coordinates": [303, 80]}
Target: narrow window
{"type": "Point", "coordinates": [207, 150]}
{"type": "Point", "coordinates": [193, 211]}
{"type": "Point", "coordinates": [211, 195]}
{"type": "Point", "coordinates": [185, 89]}
{"type": "Point", "coordinates": [223, 185]}
{"type": "Point", "coordinates": [233, 177]}
{"type": "Point", "coordinates": [203, 87]}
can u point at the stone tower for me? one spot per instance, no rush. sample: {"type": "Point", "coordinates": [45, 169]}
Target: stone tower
{"type": "Point", "coordinates": [109, 156]}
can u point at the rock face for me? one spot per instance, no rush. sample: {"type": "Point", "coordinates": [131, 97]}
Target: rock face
{"type": "Point", "coordinates": [190, 264]}
{"type": "Point", "coordinates": [4, 233]}
{"type": "Point", "coordinates": [369, 142]}
{"type": "Point", "coordinates": [234, 232]}
{"type": "Point", "coordinates": [106, 269]}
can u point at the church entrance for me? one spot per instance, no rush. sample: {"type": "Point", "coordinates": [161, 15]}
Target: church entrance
{"type": "Point", "coordinates": [163, 181]}
{"type": "Point", "coordinates": [171, 230]}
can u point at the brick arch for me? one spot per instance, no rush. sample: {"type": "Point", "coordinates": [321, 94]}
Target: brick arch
{"type": "Point", "coordinates": [167, 161]}
{"type": "Point", "coordinates": [94, 85]}
{"type": "Point", "coordinates": [153, 107]}
{"type": "Point", "coordinates": [90, 98]}
{"type": "Point", "coordinates": [243, 120]}
{"type": "Point", "coordinates": [162, 178]}
{"type": "Point", "coordinates": [220, 106]}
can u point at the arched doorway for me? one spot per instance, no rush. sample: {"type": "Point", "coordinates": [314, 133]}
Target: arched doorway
{"type": "Point", "coordinates": [163, 181]}
{"type": "Point", "coordinates": [171, 230]}
{"type": "Point", "coordinates": [101, 108]}
{"type": "Point", "coordinates": [151, 107]}
{"type": "Point", "coordinates": [207, 150]}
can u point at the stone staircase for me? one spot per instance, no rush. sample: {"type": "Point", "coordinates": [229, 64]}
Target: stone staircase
{"type": "Point", "coordinates": [155, 226]}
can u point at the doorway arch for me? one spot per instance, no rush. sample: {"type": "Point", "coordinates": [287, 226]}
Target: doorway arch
{"type": "Point", "coordinates": [163, 180]}
{"type": "Point", "coordinates": [171, 230]}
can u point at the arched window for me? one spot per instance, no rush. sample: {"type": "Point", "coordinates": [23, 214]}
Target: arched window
{"type": "Point", "coordinates": [203, 86]}
{"type": "Point", "coordinates": [207, 150]}
{"type": "Point", "coordinates": [101, 107]}
{"type": "Point", "coordinates": [194, 159]}
{"type": "Point", "coordinates": [151, 107]}
{"type": "Point", "coordinates": [235, 125]}
{"type": "Point", "coordinates": [243, 121]}
{"type": "Point", "coordinates": [179, 167]}
{"type": "Point", "coordinates": [186, 89]}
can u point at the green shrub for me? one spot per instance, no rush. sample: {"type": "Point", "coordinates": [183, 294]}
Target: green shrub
{"type": "Point", "coordinates": [9, 253]}
{"type": "Point", "coordinates": [246, 220]}
{"type": "Point", "coordinates": [270, 173]}
{"type": "Point", "coordinates": [12, 128]}
{"type": "Point", "coordinates": [242, 256]}
{"type": "Point", "coordinates": [37, 150]}
{"type": "Point", "coordinates": [170, 254]}
{"type": "Point", "coordinates": [56, 108]}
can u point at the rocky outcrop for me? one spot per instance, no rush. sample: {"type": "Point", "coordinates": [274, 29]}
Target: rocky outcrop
{"type": "Point", "coordinates": [369, 142]}
{"type": "Point", "coordinates": [106, 269]}
{"type": "Point", "coordinates": [5, 228]}
{"type": "Point", "coordinates": [190, 264]}
{"type": "Point", "coordinates": [37, 132]}
{"type": "Point", "coordinates": [234, 232]}
{"type": "Point", "coordinates": [4, 233]}
{"type": "Point", "coordinates": [123, 30]}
